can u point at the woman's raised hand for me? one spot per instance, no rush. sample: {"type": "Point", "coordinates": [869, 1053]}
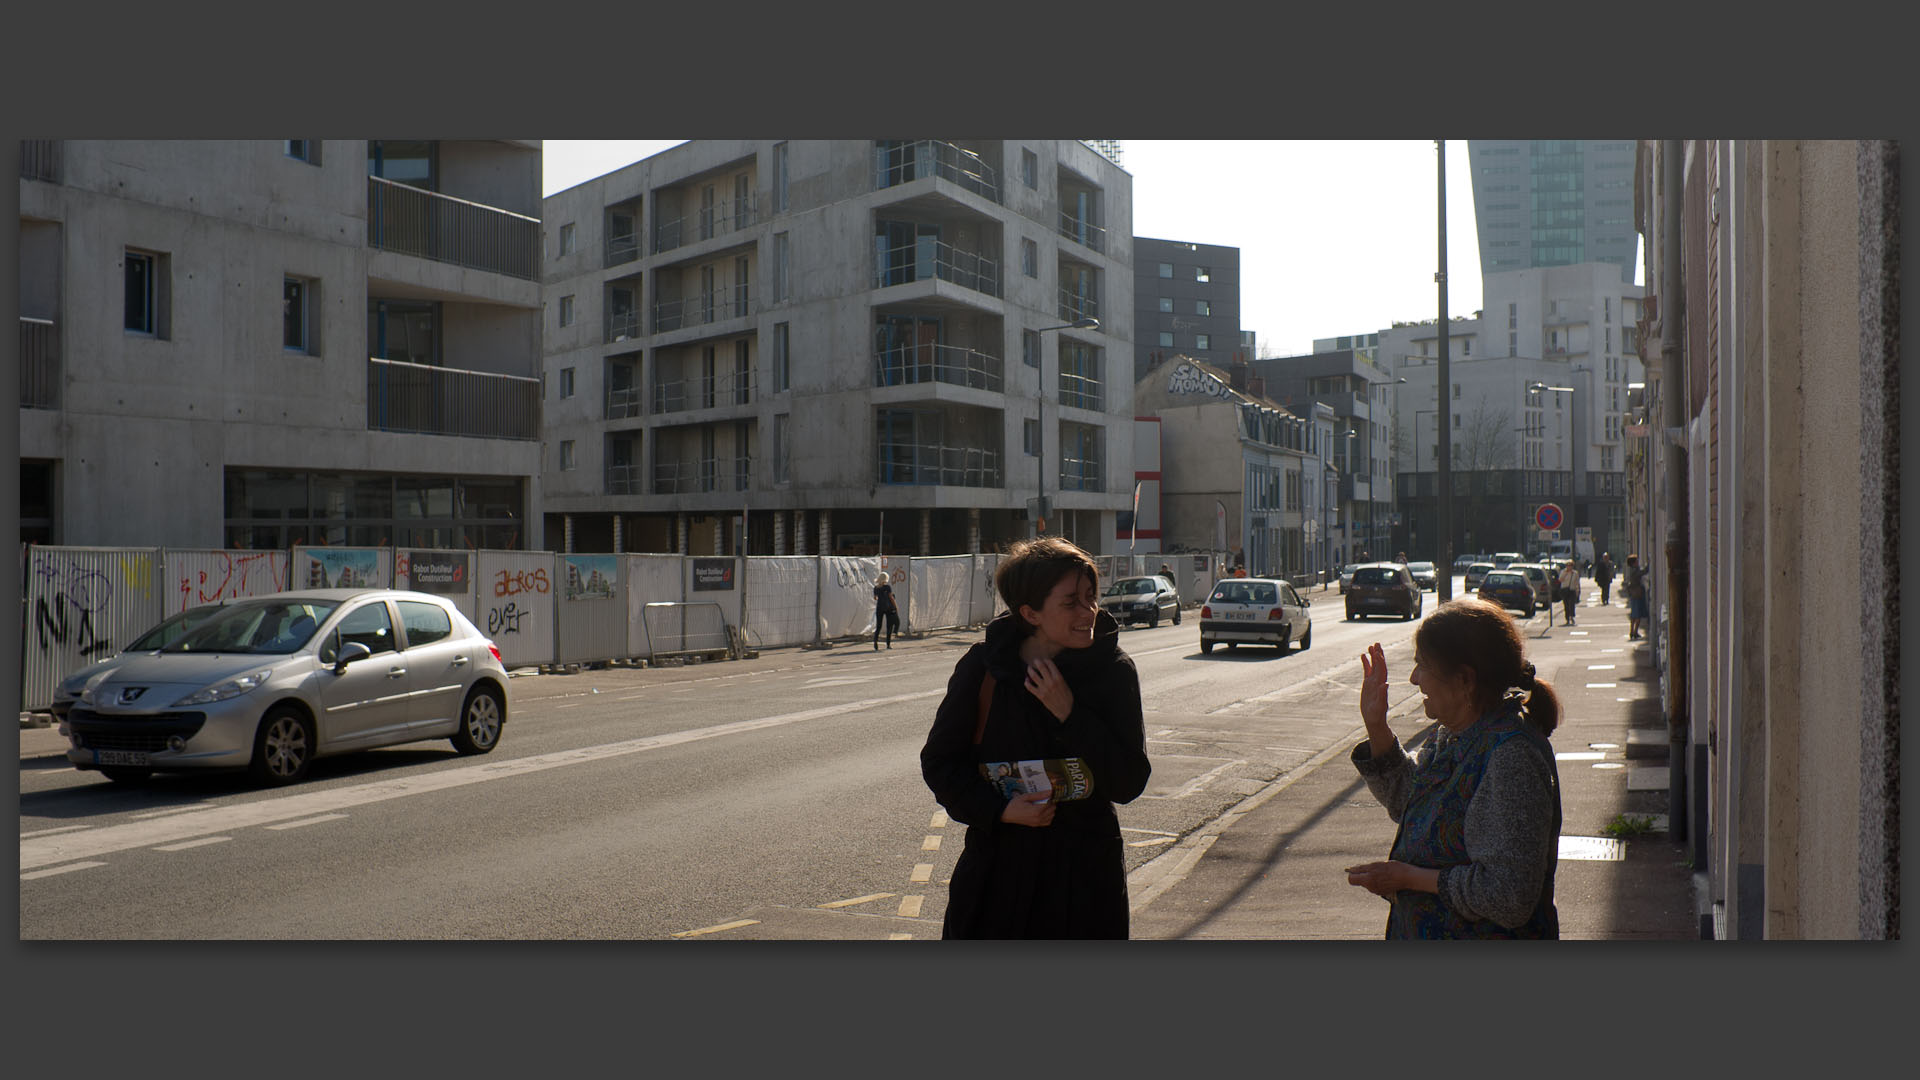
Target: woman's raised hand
{"type": "Point", "coordinates": [1373, 687]}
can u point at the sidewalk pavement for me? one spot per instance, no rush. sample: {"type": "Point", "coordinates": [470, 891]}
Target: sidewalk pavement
{"type": "Point", "coordinates": [1273, 867]}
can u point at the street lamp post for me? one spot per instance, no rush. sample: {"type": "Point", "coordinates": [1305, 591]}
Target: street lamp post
{"type": "Point", "coordinates": [1040, 507]}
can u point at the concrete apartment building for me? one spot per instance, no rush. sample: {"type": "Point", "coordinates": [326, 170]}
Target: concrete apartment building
{"type": "Point", "coordinates": [1553, 202]}
{"type": "Point", "coordinates": [268, 343]}
{"type": "Point", "coordinates": [839, 347]}
{"type": "Point", "coordinates": [1355, 389]}
{"type": "Point", "coordinates": [1516, 443]}
{"type": "Point", "coordinates": [1186, 301]}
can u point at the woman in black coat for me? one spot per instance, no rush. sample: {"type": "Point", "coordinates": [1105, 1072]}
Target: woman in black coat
{"type": "Point", "coordinates": [1035, 866]}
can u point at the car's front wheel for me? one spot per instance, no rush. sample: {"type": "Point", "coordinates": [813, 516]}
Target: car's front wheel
{"type": "Point", "coordinates": [1176, 616]}
{"type": "Point", "coordinates": [1153, 620]}
{"type": "Point", "coordinates": [1306, 639]}
{"type": "Point", "coordinates": [283, 747]}
{"type": "Point", "coordinates": [480, 721]}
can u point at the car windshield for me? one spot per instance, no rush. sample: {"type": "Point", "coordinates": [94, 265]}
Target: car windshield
{"type": "Point", "coordinates": [171, 630]}
{"type": "Point", "coordinates": [256, 626]}
{"type": "Point", "coordinates": [1378, 575]}
{"type": "Point", "coordinates": [1495, 580]}
{"type": "Point", "coordinates": [1246, 592]}
{"type": "Point", "coordinates": [1129, 586]}
{"type": "Point", "coordinates": [1421, 567]}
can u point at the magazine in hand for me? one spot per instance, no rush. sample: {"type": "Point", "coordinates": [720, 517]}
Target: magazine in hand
{"type": "Point", "coordinates": [1064, 779]}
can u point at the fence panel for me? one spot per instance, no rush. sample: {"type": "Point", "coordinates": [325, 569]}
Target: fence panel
{"type": "Point", "coordinates": [669, 628]}
{"type": "Point", "coordinates": [515, 589]}
{"type": "Point", "coordinates": [783, 595]}
{"type": "Point", "coordinates": [846, 595]}
{"type": "Point", "coordinates": [447, 574]}
{"type": "Point", "coordinates": [590, 618]}
{"type": "Point", "coordinates": [198, 576]}
{"type": "Point", "coordinates": [82, 604]}
{"type": "Point", "coordinates": [651, 579]}
{"type": "Point", "coordinates": [714, 580]}
{"type": "Point", "coordinates": [986, 598]}
{"type": "Point", "coordinates": [942, 593]}
{"type": "Point", "coordinates": [341, 568]}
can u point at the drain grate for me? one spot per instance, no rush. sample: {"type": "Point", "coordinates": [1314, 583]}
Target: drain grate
{"type": "Point", "coordinates": [1592, 849]}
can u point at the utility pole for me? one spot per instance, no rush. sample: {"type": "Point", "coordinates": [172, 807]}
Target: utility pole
{"type": "Point", "coordinates": [1441, 389]}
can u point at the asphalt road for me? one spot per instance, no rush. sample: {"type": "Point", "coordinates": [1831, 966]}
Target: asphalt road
{"type": "Point", "coordinates": [775, 798]}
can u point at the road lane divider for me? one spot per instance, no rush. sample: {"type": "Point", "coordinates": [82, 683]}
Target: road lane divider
{"type": "Point", "coordinates": [922, 873]}
{"type": "Point", "coordinates": [910, 907]}
{"type": "Point", "coordinates": [202, 842]}
{"type": "Point", "coordinates": [302, 823]}
{"type": "Point", "coordinates": [69, 868]}
{"type": "Point", "coordinates": [48, 850]}
{"type": "Point", "coordinates": [867, 899]}
{"type": "Point", "coordinates": [931, 843]}
{"type": "Point", "coordinates": [722, 928]}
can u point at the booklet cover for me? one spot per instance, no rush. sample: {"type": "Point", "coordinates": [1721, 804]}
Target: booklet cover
{"type": "Point", "coordinates": [1066, 779]}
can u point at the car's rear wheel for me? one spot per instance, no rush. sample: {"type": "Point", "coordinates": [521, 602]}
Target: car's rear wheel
{"type": "Point", "coordinates": [283, 747]}
{"type": "Point", "coordinates": [1205, 646]}
{"type": "Point", "coordinates": [123, 774]}
{"type": "Point", "coordinates": [1285, 644]}
{"type": "Point", "coordinates": [1306, 639]}
{"type": "Point", "coordinates": [480, 721]}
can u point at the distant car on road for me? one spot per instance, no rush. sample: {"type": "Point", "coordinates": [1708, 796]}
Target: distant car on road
{"type": "Point", "coordinates": [1509, 589]}
{"type": "Point", "coordinates": [1502, 559]}
{"type": "Point", "coordinates": [1346, 575]}
{"type": "Point", "coordinates": [1540, 578]}
{"type": "Point", "coordinates": [1255, 611]}
{"type": "Point", "coordinates": [1460, 564]}
{"type": "Point", "coordinates": [1383, 589]}
{"type": "Point", "coordinates": [1425, 575]}
{"type": "Point", "coordinates": [1475, 573]}
{"type": "Point", "coordinates": [269, 683]}
{"type": "Point", "coordinates": [1142, 600]}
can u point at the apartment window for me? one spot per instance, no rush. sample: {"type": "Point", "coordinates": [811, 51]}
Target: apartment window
{"type": "Point", "coordinates": [567, 239]}
{"type": "Point", "coordinates": [1166, 304]}
{"type": "Point", "coordinates": [1203, 341]}
{"type": "Point", "coordinates": [1513, 343]}
{"type": "Point", "coordinates": [305, 150]}
{"type": "Point", "coordinates": [782, 444]}
{"type": "Point", "coordinates": [1030, 437]}
{"type": "Point", "coordinates": [1201, 307]}
{"type": "Point", "coordinates": [1606, 305]}
{"type": "Point", "coordinates": [1030, 348]}
{"type": "Point", "coordinates": [1456, 391]}
{"type": "Point", "coordinates": [1466, 346]}
{"type": "Point", "coordinates": [740, 272]}
{"type": "Point", "coordinates": [566, 382]}
{"type": "Point", "coordinates": [782, 267]}
{"type": "Point", "coordinates": [1029, 258]}
{"type": "Point", "coordinates": [1513, 316]}
{"type": "Point", "coordinates": [782, 364]}
{"type": "Point", "coordinates": [1456, 421]}
{"type": "Point", "coordinates": [566, 311]}
{"type": "Point", "coordinates": [1030, 168]}
{"type": "Point", "coordinates": [296, 315]}
{"type": "Point", "coordinates": [1166, 270]}
{"type": "Point", "coordinates": [1202, 273]}
{"type": "Point", "coordinates": [1607, 339]}
{"type": "Point", "coordinates": [1166, 339]}
{"type": "Point", "coordinates": [706, 212]}
{"type": "Point", "coordinates": [742, 372]}
{"type": "Point", "coordinates": [780, 178]}
{"type": "Point", "coordinates": [146, 292]}
{"type": "Point", "coordinates": [566, 454]}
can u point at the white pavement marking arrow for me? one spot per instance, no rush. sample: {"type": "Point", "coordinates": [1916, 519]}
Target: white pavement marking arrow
{"type": "Point", "coordinates": [47, 850]}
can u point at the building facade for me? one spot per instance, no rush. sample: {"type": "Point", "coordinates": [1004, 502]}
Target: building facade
{"type": "Point", "coordinates": [1553, 202]}
{"type": "Point", "coordinates": [269, 343]}
{"type": "Point", "coordinates": [1355, 389]}
{"type": "Point", "coordinates": [1186, 301]}
{"type": "Point", "coordinates": [840, 347]}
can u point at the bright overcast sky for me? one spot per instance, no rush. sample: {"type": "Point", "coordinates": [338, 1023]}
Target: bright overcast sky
{"type": "Point", "coordinates": [1335, 238]}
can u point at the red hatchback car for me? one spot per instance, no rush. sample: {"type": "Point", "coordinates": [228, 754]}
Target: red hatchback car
{"type": "Point", "coordinates": [1383, 589]}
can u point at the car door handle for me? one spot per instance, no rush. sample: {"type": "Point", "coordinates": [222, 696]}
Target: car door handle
{"type": "Point", "coordinates": [395, 672]}
{"type": "Point", "coordinates": [459, 661]}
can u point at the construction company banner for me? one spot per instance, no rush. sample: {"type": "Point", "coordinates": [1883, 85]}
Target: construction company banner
{"type": "Point", "coordinates": [446, 573]}
{"type": "Point", "coordinates": [712, 575]}
{"type": "Point", "coordinates": [342, 568]}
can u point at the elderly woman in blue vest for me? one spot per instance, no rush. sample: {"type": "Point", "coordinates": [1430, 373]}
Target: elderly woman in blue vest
{"type": "Point", "coordinates": [1479, 808]}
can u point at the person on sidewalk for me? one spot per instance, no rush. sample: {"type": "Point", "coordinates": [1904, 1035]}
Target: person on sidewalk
{"type": "Point", "coordinates": [1603, 576]}
{"type": "Point", "coordinates": [1569, 589]}
{"type": "Point", "coordinates": [1479, 810]}
{"type": "Point", "coordinates": [885, 611]}
{"type": "Point", "coordinates": [1633, 586]}
{"type": "Point", "coordinates": [1049, 682]}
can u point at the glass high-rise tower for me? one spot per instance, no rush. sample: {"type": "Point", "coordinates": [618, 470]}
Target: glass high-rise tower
{"type": "Point", "coordinates": [1553, 202]}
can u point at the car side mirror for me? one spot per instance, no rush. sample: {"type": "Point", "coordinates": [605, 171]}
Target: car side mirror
{"type": "Point", "coordinates": [351, 651]}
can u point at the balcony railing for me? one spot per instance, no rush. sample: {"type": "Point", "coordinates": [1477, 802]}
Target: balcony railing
{"type": "Point", "coordinates": [622, 248]}
{"type": "Point", "coordinates": [726, 216]}
{"type": "Point", "coordinates": [932, 157]}
{"type": "Point", "coordinates": [704, 474]}
{"type": "Point", "coordinates": [1074, 306]}
{"type": "Point", "coordinates": [446, 401]}
{"type": "Point", "coordinates": [927, 258]}
{"type": "Point", "coordinates": [623, 402]}
{"type": "Point", "coordinates": [1085, 232]}
{"type": "Point", "coordinates": [1081, 474]}
{"type": "Point", "coordinates": [934, 464]}
{"type": "Point", "coordinates": [40, 159]}
{"type": "Point", "coordinates": [703, 392]}
{"type": "Point", "coordinates": [410, 221]}
{"type": "Point", "coordinates": [1081, 391]}
{"type": "Point", "coordinates": [703, 308]}
{"type": "Point", "coordinates": [622, 325]}
{"type": "Point", "coordinates": [39, 364]}
{"type": "Point", "coordinates": [624, 480]}
{"type": "Point", "coordinates": [949, 364]}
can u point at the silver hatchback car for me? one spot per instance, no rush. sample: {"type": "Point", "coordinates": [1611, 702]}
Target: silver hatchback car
{"type": "Point", "coordinates": [269, 683]}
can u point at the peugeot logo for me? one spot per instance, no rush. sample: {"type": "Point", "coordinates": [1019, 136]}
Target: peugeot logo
{"type": "Point", "coordinates": [131, 694]}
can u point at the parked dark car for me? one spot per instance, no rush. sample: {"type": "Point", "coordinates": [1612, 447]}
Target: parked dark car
{"type": "Point", "coordinates": [1142, 600]}
{"type": "Point", "coordinates": [1509, 589]}
{"type": "Point", "coordinates": [1425, 575]}
{"type": "Point", "coordinates": [1383, 589]}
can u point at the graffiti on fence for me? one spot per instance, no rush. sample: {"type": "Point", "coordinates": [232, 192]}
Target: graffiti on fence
{"type": "Point", "coordinates": [231, 577]}
{"type": "Point", "coordinates": [514, 582]}
{"type": "Point", "coordinates": [505, 619]}
{"type": "Point", "coordinates": [76, 588]}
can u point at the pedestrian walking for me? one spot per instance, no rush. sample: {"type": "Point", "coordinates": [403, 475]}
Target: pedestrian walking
{"type": "Point", "coordinates": [1603, 576]}
{"type": "Point", "coordinates": [1633, 585]}
{"type": "Point", "coordinates": [1049, 683]}
{"type": "Point", "coordinates": [885, 612]}
{"type": "Point", "coordinates": [1569, 589]}
{"type": "Point", "coordinates": [1479, 808]}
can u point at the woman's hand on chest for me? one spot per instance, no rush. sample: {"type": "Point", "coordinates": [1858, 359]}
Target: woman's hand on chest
{"type": "Point", "coordinates": [1045, 682]}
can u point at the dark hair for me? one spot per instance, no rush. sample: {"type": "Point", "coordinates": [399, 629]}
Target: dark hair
{"type": "Point", "coordinates": [1478, 635]}
{"type": "Point", "coordinates": [1031, 568]}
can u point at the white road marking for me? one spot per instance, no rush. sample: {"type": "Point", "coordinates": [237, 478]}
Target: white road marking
{"type": "Point", "coordinates": [1600, 667]}
{"type": "Point", "coordinates": [1601, 685]}
{"type": "Point", "coordinates": [202, 842]}
{"type": "Point", "coordinates": [61, 870]}
{"type": "Point", "coordinates": [735, 925]}
{"type": "Point", "coordinates": [47, 850]}
{"type": "Point", "coordinates": [1156, 841]}
{"type": "Point", "coordinates": [1154, 832]}
{"type": "Point", "coordinates": [1173, 742]}
{"type": "Point", "coordinates": [1197, 783]}
{"type": "Point", "coordinates": [50, 832]}
{"type": "Point", "coordinates": [899, 937]}
{"type": "Point", "coordinates": [307, 821]}
{"type": "Point", "coordinates": [173, 810]}
{"type": "Point", "coordinates": [869, 898]}
{"type": "Point", "coordinates": [1579, 755]}
{"type": "Point", "coordinates": [910, 907]}
{"type": "Point", "coordinates": [842, 680]}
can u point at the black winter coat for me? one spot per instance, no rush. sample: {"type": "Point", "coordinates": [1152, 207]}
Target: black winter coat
{"type": "Point", "coordinates": [1067, 880]}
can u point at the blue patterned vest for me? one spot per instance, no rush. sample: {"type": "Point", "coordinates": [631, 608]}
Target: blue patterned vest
{"type": "Point", "coordinates": [1433, 831]}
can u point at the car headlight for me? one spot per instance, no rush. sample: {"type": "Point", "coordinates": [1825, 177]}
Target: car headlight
{"type": "Point", "coordinates": [232, 688]}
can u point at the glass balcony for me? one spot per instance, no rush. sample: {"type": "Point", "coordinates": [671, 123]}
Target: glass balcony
{"type": "Point", "coordinates": [624, 480]}
{"type": "Point", "coordinates": [703, 392]}
{"type": "Point", "coordinates": [1083, 231]}
{"type": "Point", "coordinates": [927, 259]}
{"type": "Point", "coordinates": [445, 401]}
{"type": "Point", "coordinates": [903, 162]}
{"type": "Point", "coordinates": [1081, 474]}
{"type": "Point", "coordinates": [407, 220]}
{"type": "Point", "coordinates": [1076, 306]}
{"type": "Point", "coordinates": [951, 364]}
{"type": "Point", "coordinates": [1081, 391]}
{"type": "Point", "coordinates": [703, 308]}
{"type": "Point", "coordinates": [936, 464]}
{"type": "Point", "coordinates": [728, 215]}
{"type": "Point", "coordinates": [703, 474]}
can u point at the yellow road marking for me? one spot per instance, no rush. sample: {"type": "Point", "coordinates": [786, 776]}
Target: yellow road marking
{"type": "Point", "coordinates": [939, 820]}
{"type": "Point", "coordinates": [922, 873]}
{"type": "Point", "coordinates": [899, 937]}
{"type": "Point", "coordinates": [735, 925]}
{"type": "Point", "coordinates": [910, 906]}
{"type": "Point", "coordinates": [931, 843]}
{"type": "Point", "coordinates": [857, 900]}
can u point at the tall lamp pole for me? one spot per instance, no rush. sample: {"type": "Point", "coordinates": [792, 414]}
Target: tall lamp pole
{"type": "Point", "coordinates": [1441, 388]}
{"type": "Point", "coordinates": [1040, 507]}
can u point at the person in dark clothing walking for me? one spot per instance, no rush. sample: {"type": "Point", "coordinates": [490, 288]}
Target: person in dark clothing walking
{"type": "Point", "coordinates": [885, 612]}
{"type": "Point", "coordinates": [1479, 810]}
{"type": "Point", "coordinates": [1049, 681]}
{"type": "Point", "coordinates": [1603, 576]}
{"type": "Point", "coordinates": [1633, 586]}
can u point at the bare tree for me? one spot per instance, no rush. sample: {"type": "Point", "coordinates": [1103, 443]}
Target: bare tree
{"type": "Point", "coordinates": [1485, 439]}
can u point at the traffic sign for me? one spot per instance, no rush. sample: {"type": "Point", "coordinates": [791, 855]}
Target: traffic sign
{"type": "Point", "coordinates": [1548, 517]}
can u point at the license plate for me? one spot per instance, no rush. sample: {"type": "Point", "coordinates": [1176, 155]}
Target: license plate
{"type": "Point", "coordinates": [1248, 615]}
{"type": "Point", "coordinates": [119, 757]}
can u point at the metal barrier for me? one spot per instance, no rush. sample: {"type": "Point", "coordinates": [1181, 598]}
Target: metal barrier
{"type": "Point", "coordinates": [405, 219]}
{"type": "Point", "coordinates": [950, 364]}
{"type": "Point", "coordinates": [677, 629]}
{"type": "Point", "coordinates": [446, 401]}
